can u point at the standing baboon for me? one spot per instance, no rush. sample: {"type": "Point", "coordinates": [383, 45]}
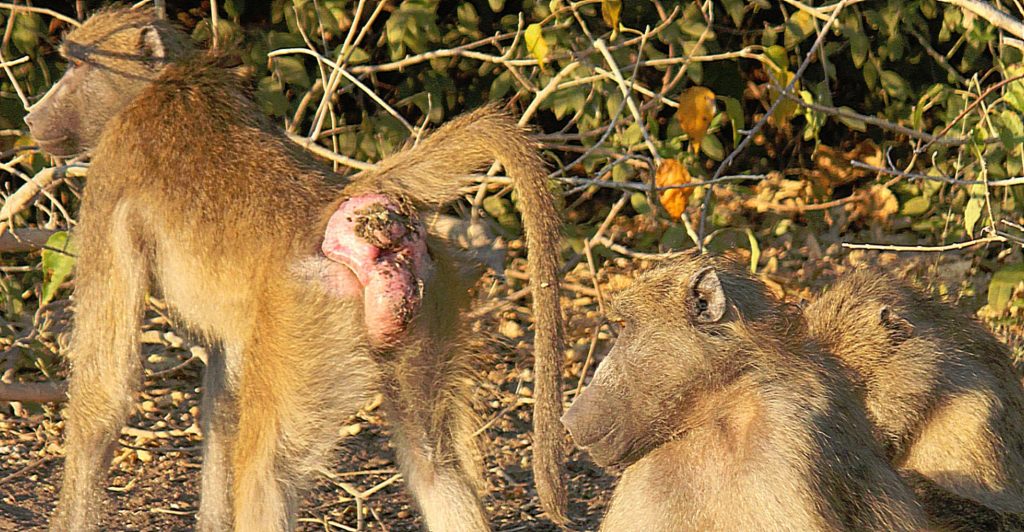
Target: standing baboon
{"type": "Point", "coordinates": [728, 416]}
{"type": "Point", "coordinates": [317, 289]}
{"type": "Point", "coordinates": [941, 391]}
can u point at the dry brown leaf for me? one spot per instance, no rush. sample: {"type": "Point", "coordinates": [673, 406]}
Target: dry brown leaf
{"type": "Point", "coordinates": [878, 203]}
{"type": "Point", "coordinates": [696, 109]}
{"type": "Point", "coordinates": [672, 172]}
{"type": "Point", "coordinates": [834, 168]}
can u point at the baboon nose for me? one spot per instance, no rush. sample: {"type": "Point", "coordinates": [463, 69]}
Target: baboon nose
{"type": "Point", "coordinates": [585, 420]}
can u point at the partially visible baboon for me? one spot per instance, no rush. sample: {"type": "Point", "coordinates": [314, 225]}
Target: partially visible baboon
{"type": "Point", "coordinates": [941, 391]}
{"type": "Point", "coordinates": [194, 193]}
{"type": "Point", "coordinates": [728, 416]}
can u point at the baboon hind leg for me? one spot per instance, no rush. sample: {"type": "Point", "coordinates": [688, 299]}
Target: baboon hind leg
{"type": "Point", "coordinates": [218, 417]}
{"type": "Point", "coordinates": [305, 371]}
{"type": "Point", "coordinates": [434, 428]}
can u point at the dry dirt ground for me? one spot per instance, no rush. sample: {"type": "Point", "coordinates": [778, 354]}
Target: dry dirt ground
{"type": "Point", "coordinates": [154, 483]}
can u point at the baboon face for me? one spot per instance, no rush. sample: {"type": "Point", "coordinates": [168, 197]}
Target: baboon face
{"type": "Point", "coordinates": [109, 63]}
{"type": "Point", "coordinates": [680, 334]}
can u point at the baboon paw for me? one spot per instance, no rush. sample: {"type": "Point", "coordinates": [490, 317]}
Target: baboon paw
{"type": "Point", "coordinates": [383, 243]}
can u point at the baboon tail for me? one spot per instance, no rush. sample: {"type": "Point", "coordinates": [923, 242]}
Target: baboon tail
{"type": "Point", "coordinates": [429, 174]}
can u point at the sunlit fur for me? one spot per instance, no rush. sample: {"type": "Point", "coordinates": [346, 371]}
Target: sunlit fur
{"type": "Point", "coordinates": [194, 195]}
{"type": "Point", "coordinates": [943, 395]}
{"type": "Point", "coordinates": [744, 423]}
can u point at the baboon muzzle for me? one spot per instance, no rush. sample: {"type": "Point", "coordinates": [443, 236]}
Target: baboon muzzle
{"type": "Point", "coordinates": [595, 425]}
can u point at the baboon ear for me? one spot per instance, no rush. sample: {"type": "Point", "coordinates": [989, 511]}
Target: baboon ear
{"type": "Point", "coordinates": [900, 329]}
{"type": "Point", "coordinates": [707, 296]}
{"type": "Point", "coordinates": [151, 44]}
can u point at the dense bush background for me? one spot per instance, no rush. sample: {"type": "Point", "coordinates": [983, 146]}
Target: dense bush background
{"type": "Point", "coordinates": [901, 127]}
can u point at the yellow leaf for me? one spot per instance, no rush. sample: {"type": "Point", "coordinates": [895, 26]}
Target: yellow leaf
{"type": "Point", "coordinates": [672, 172]}
{"type": "Point", "coordinates": [696, 109]}
{"type": "Point", "coordinates": [535, 42]}
{"type": "Point", "coordinates": [610, 11]}
{"type": "Point", "coordinates": [787, 107]}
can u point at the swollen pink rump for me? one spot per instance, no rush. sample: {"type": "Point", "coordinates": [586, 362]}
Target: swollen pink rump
{"type": "Point", "coordinates": [382, 247]}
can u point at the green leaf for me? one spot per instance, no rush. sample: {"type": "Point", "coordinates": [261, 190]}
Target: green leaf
{"type": "Point", "coordinates": [270, 97]}
{"type": "Point", "coordinates": [501, 209]}
{"type": "Point", "coordinates": [799, 26]}
{"type": "Point", "coordinates": [1002, 285]}
{"type": "Point", "coordinates": [57, 260]}
{"type": "Point", "coordinates": [778, 56]}
{"type": "Point", "coordinates": [674, 237]}
{"type": "Point", "coordinates": [279, 39]}
{"type": "Point", "coordinates": [735, 9]}
{"type": "Point", "coordinates": [622, 173]}
{"type": "Point", "coordinates": [852, 123]}
{"type": "Point", "coordinates": [915, 206]}
{"type": "Point", "coordinates": [712, 147]}
{"type": "Point", "coordinates": [734, 111]}
{"type": "Point", "coordinates": [292, 71]}
{"type": "Point", "coordinates": [496, 5]}
{"type": "Point", "coordinates": [870, 75]}
{"type": "Point", "coordinates": [972, 213]}
{"type": "Point", "coordinates": [895, 85]}
{"type": "Point", "coordinates": [468, 18]}
{"type": "Point", "coordinates": [859, 46]}
{"type": "Point", "coordinates": [632, 135]}
{"type": "Point", "coordinates": [234, 8]}
{"type": "Point", "coordinates": [815, 120]}
{"type": "Point", "coordinates": [501, 85]}
{"type": "Point", "coordinates": [28, 29]}
{"type": "Point", "coordinates": [639, 203]}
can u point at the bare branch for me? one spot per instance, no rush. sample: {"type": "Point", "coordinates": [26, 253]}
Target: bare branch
{"type": "Point", "coordinates": [992, 14]}
{"type": "Point", "coordinates": [36, 392]}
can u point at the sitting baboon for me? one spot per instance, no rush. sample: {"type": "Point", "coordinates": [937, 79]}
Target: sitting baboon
{"type": "Point", "coordinates": [942, 393]}
{"type": "Point", "coordinates": [317, 289]}
{"type": "Point", "coordinates": [728, 416]}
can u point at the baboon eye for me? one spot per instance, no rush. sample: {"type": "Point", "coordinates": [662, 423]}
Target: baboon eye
{"type": "Point", "coordinates": [616, 325]}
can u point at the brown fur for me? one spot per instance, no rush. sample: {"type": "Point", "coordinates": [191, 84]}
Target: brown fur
{"type": "Point", "coordinates": [194, 193]}
{"type": "Point", "coordinates": [730, 416]}
{"type": "Point", "coordinates": [941, 391]}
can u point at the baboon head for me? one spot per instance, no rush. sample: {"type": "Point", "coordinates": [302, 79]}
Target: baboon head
{"type": "Point", "coordinates": [111, 58]}
{"type": "Point", "coordinates": [864, 315]}
{"type": "Point", "coordinates": [687, 329]}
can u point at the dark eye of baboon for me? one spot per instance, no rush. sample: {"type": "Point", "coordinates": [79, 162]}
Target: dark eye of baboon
{"type": "Point", "coordinates": [616, 326]}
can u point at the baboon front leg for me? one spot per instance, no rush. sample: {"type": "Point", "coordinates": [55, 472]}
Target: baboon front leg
{"type": "Point", "coordinates": [434, 440]}
{"type": "Point", "coordinates": [105, 360]}
{"type": "Point", "coordinates": [219, 412]}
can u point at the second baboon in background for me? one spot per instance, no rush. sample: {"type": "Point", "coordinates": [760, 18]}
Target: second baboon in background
{"type": "Point", "coordinates": [728, 416]}
{"type": "Point", "coordinates": [942, 392]}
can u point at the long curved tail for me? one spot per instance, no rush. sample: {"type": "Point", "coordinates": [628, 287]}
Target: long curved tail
{"type": "Point", "coordinates": [429, 175]}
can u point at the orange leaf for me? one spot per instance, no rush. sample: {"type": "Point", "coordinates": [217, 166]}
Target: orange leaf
{"type": "Point", "coordinates": [696, 109]}
{"type": "Point", "coordinates": [672, 172]}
